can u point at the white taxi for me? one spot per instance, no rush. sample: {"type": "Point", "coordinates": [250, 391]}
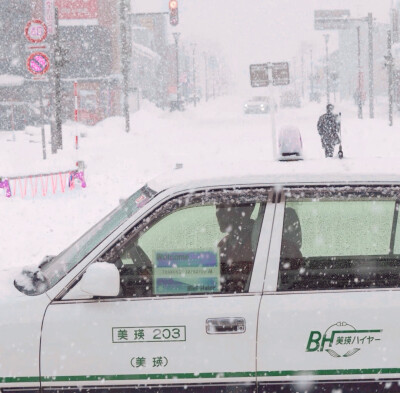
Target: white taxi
{"type": "Point", "coordinates": [261, 283]}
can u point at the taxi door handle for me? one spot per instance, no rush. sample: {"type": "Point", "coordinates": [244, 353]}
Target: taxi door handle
{"type": "Point", "coordinates": [225, 325]}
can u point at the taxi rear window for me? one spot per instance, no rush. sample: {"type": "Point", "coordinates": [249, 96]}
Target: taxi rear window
{"type": "Point", "coordinates": [340, 241]}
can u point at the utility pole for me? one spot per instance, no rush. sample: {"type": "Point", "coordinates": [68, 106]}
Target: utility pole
{"type": "Point", "coordinates": [311, 77]}
{"type": "Point", "coordinates": [178, 98]}
{"type": "Point", "coordinates": [371, 65]}
{"type": "Point", "coordinates": [326, 36]}
{"type": "Point", "coordinates": [125, 55]}
{"type": "Point", "coordinates": [194, 76]}
{"type": "Point", "coordinates": [294, 74]}
{"type": "Point", "coordinates": [213, 83]}
{"type": "Point", "coordinates": [302, 73]}
{"type": "Point", "coordinates": [42, 120]}
{"type": "Point", "coordinates": [389, 65]}
{"type": "Point", "coordinates": [206, 74]}
{"type": "Point", "coordinates": [359, 95]}
{"type": "Point", "coordinates": [58, 63]}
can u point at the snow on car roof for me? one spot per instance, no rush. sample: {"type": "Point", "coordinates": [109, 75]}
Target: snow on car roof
{"type": "Point", "coordinates": [332, 171]}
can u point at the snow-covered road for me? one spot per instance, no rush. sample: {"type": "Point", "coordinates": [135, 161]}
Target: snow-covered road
{"type": "Point", "coordinates": [118, 163]}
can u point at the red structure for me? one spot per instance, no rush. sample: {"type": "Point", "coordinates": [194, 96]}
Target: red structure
{"type": "Point", "coordinates": [88, 31]}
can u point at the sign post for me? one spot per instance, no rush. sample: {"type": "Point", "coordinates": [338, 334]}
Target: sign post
{"type": "Point", "coordinates": [37, 63]}
{"type": "Point", "coordinates": [260, 76]}
{"type": "Point", "coordinates": [76, 113]}
{"type": "Point", "coordinates": [42, 122]}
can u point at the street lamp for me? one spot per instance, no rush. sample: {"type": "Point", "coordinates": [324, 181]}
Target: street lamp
{"type": "Point", "coordinates": [194, 75]}
{"type": "Point", "coordinates": [206, 74]}
{"type": "Point", "coordinates": [359, 88]}
{"type": "Point", "coordinates": [326, 36]}
{"type": "Point", "coordinates": [389, 64]}
{"type": "Point", "coordinates": [178, 98]}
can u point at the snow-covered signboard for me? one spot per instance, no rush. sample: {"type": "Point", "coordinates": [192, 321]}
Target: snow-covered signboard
{"type": "Point", "coordinates": [280, 74]}
{"type": "Point", "coordinates": [331, 19]}
{"type": "Point", "coordinates": [259, 75]}
{"type": "Point", "coordinates": [49, 15]}
{"type": "Point", "coordinates": [77, 9]}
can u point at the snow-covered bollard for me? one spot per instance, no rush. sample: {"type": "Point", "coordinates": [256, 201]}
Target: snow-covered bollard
{"type": "Point", "coordinates": [6, 185]}
{"type": "Point", "coordinates": [79, 175]}
{"type": "Point", "coordinates": [290, 144]}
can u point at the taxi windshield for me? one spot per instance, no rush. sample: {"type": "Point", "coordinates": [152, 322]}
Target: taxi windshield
{"type": "Point", "coordinates": [52, 270]}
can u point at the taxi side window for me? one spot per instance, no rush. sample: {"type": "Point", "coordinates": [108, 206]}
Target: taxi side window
{"type": "Point", "coordinates": [347, 243]}
{"type": "Point", "coordinates": [190, 247]}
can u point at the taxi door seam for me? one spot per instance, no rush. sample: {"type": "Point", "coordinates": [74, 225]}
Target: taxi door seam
{"type": "Point", "coordinates": [273, 200]}
{"type": "Point", "coordinates": [40, 347]}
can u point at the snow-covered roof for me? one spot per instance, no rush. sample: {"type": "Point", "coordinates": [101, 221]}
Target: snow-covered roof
{"type": "Point", "coordinates": [145, 51]}
{"type": "Point", "coordinates": [11, 80]}
{"type": "Point", "coordinates": [335, 171]}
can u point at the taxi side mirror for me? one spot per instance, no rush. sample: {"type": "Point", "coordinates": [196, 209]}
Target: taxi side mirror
{"type": "Point", "coordinates": [101, 279]}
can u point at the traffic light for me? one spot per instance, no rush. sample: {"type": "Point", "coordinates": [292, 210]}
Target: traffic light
{"type": "Point", "coordinates": [173, 12]}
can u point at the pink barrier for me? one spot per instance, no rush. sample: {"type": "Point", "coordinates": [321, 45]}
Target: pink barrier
{"type": "Point", "coordinates": [30, 185]}
{"type": "Point", "coordinates": [6, 185]}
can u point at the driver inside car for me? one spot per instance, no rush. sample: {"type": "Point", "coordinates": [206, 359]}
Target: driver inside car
{"type": "Point", "coordinates": [235, 248]}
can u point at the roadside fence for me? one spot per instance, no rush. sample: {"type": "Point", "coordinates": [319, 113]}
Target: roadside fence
{"type": "Point", "coordinates": [44, 183]}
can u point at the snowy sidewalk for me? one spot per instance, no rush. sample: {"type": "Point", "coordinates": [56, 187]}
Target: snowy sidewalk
{"type": "Point", "coordinates": [118, 163]}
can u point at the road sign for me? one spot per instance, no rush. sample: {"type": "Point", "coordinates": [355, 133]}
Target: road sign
{"type": "Point", "coordinates": [38, 63]}
{"type": "Point", "coordinates": [259, 75]}
{"type": "Point", "coordinates": [332, 19]}
{"type": "Point", "coordinates": [36, 31]}
{"type": "Point", "coordinates": [280, 74]}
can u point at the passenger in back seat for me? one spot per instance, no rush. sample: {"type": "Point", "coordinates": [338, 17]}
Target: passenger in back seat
{"type": "Point", "coordinates": [291, 235]}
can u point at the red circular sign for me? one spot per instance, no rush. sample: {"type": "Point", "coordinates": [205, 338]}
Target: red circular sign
{"type": "Point", "coordinates": [38, 63]}
{"type": "Point", "coordinates": [36, 31]}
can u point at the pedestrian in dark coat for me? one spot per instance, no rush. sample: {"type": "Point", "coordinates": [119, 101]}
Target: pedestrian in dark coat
{"type": "Point", "coordinates": [328, 129]}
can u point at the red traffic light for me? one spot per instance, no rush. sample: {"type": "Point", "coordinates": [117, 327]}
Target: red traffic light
{"type": "Point", "coordinates": [173, 17]}
{"type": "Point", "coordinates": [173, 4]}
{"type": "Point", "coordinates": [173, 12]}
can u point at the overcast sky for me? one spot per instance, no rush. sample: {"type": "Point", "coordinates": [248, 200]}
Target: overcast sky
{"type": "Point", "coordinates": [258, 31]}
